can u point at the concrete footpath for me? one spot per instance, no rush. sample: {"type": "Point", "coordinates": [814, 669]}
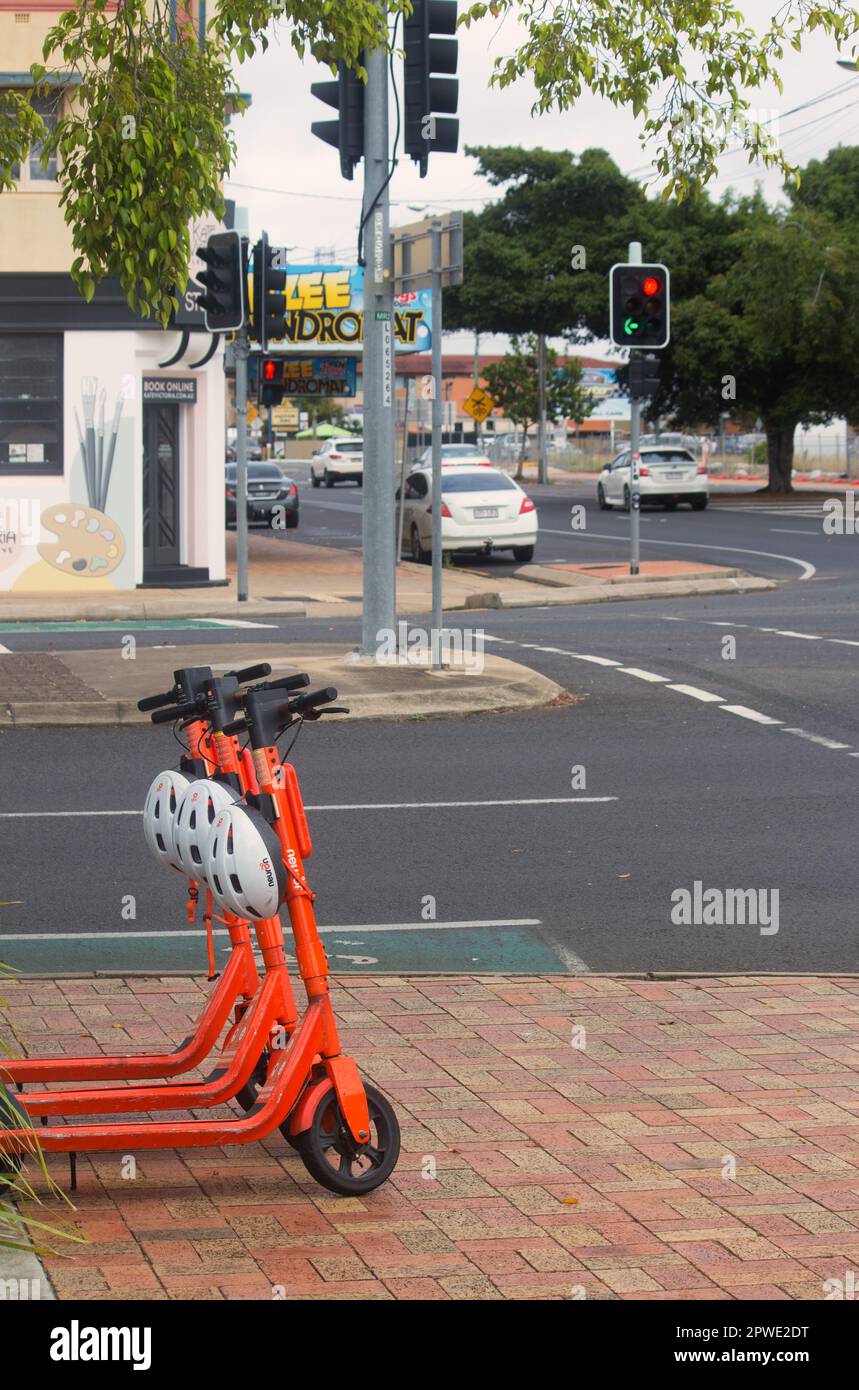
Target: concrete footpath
{"type": "Point", "coordinates": [291, 579]}
{"type": "Point", "coordinates": [563, 1138]}
{"type": "Point", "coordinates": [99, 686]}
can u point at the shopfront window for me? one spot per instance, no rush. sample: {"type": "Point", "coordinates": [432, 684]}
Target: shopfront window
{"type": "Point", "coordinates": [31, 403]}
{"type": "Point", "coordinates": [33, 174]}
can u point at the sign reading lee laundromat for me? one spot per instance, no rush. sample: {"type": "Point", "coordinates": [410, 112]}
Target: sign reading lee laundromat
{"type": "Point", "coordinates": [159, 390]}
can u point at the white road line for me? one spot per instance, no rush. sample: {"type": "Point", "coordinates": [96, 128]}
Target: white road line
{"type": "Point", "coordinates": [236, 622]}
{"type": "Point", "coordinates": [808, 570]}
{"type": "Point", "coordinates": [697, 694]}
{"type": "Point", "coordinates": [6, 651]}
{"type": "Point", "coordinates": [568, 958]}
{"type": "Point", "coordinates": [745, 713]}
{"type": "Point", "coordinates": [356, 806]}
{"type": "Point", "coordinates": [597, 660]}
{"type": "Point", "coordinates": [785, 632]}
{"type": "Point", "coordinates": [220, 931]}
{"type": "Point", "coordinates": [842, 642]}
{"type": "Point", "coordinates": [816, 738]}
{"type": "Point", "coordinates": [642, 675]}
{"type": "Point", "coordinates": [791, 531]}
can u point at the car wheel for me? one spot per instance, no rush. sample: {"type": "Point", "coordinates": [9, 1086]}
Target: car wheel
{"type": "Point", "coordinates": [627, 500]}
{"type": "Point", "coordinates": [291, 520]}
{"type": "Point", "coordinates": [699, 503]}
{"type": "Point", "coordinates": [418, 554]}
{"type": "Point", "coordinates": [314, 481]}
{"type": "Point", "coordinates": [329, 481]}
{"type": "Point", "coordinates": [524, 553]}
{"type": "Point", "coordinates": [359, 482]}
{"type": "Point", "coordinates": [601, 501]}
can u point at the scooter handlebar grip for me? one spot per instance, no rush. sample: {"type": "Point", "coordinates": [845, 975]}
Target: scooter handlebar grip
{"type": "Point", "coordinates": [156, 701]}
{"type": "Point", "coordinates": [297, 682]}
{"type": "Point", "coordinates": [235, 726]}
{"type": "Point", "coordinates": [312, 699]}
{"type": "Point", "coordinates": [252, 673]}
{"type": "Point", "coordinates": [168, 716]}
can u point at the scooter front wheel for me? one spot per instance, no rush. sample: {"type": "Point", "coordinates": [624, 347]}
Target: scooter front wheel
{"type": "Point", "coordinates": [331, 1155]}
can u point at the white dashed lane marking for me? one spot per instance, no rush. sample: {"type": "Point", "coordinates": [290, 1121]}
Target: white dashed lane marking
{"type": "Point", "coordinates": [771, 631]}
{"type": "Point", "coordinates": [693, 691]}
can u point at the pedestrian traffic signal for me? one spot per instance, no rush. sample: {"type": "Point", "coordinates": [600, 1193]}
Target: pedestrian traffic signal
{"type": "Point", "coordinates": [271, 387]}
{"type": "Point", "coordinates": [639, 306]}
{"type": "Point", "coordinates": [224, 303]}
{"type": "Point", "coordinates": [268, 310]}
{"type": "Point", "coordinates": [346, 94]}
{"type": "Point", "coordinates": [425, 93]}
{"type": "Point", "coordinates": [644, 377]}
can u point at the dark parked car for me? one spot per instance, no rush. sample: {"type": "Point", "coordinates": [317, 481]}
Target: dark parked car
{"type": "Point", "coordinates": [268, 490]}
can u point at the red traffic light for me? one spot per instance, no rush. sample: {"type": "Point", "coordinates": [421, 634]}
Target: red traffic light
{"type": "Point", "coordinates": [651, 286]}
{"type": "Point", "coordinates": [269, 370]}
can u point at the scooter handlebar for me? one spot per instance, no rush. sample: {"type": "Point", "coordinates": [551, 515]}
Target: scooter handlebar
{"type": "Point", "coordinates": [156, 701]}
{"type": "Point", "coordinates": [168, 716]}
{"type": "Point", "coordinates": [251, 673]}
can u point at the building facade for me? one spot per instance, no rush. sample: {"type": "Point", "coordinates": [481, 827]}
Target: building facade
{"type": "Point", "coordinates": [111, 429]}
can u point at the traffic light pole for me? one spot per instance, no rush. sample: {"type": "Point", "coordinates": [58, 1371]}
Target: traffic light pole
{"type": "Point", "coordinates": [634, 258]}
{"type": "Point", "coordinates": [437, 557]}
{"type": "Point", "coordinates": [378, 512]}
{"type": "Point", "coordinates": [241, 355]}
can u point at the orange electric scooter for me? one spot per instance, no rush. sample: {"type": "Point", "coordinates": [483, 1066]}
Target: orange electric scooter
{"type": "Point", "coordinates": [239, 982]}
{"type": "Point", "coordinates": [347, 1134]}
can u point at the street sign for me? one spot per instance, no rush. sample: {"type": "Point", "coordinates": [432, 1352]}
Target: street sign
{"type": "Point", "coordinates": [412, 253]}
{"type": "Point", "coordinates": [479, 404]}
{"type": "Point", "coordinates": [284, 419]}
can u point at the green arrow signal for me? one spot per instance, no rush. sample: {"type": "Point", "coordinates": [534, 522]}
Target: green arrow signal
{"type": "Point", "coordinates": [631, 326]}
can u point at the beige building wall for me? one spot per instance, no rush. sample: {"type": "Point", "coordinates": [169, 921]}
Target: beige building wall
{"type": "Point", "coordinates": [33, 233]}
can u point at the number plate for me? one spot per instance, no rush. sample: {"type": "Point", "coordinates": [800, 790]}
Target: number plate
{"type": "Point", "coordinates": [671, 474]}
{"type": "Point", "coordinates": [485, 513]}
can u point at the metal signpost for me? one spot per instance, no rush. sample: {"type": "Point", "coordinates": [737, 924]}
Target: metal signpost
{"type": "Point", "coordinates": [428, 254]}
{"type": "Point", "coordinates": [241, 354]}
{"type": "Point", "coordinates": [634, 258]}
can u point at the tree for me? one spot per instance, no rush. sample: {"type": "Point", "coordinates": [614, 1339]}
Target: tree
{"type": "Point", "coordinates": [777, 332]}
{"type": "Point", "coordinates": [513, 385]}
{"type": "Point", "coordinates": [144, 147]}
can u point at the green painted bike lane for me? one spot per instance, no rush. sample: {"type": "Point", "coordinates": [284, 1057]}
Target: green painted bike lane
{"type": "Point", "coordinates": [507, 948]}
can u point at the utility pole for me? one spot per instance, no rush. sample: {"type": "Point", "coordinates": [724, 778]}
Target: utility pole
{"type": "Point", "coordinates": [437, 557]}
{"type": "Point", "coordinates": [634, 258]}
{"type": "Point", "coordinates": [241, 355]}
{"type": "Point", "coordinates": [542, 463]}
{"type": "Point", "coordinates": [378, 514]}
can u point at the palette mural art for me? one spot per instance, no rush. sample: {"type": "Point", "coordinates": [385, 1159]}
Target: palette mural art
{"type": "Point", "coordinates": [83, 539]}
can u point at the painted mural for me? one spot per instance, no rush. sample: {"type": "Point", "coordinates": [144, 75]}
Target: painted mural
{"type": "Point", "coordinates": [81, 541]}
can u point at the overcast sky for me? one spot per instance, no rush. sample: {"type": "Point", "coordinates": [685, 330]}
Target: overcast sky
{"type": "Point", "coordinates": [290, 182]}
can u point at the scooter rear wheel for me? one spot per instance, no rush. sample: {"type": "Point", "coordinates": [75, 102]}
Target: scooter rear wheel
{"type": "Point", "coordinates": [331, 1155]}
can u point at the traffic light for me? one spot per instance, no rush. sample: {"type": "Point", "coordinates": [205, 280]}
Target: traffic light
{"type": "Point", "coordinates": [644, 377]}
{"type": "Point", "coordinates": [425, 93]}
{"type": "Point", "coordinates": [639, 301]}
{"type": "Point", "coordinates": [346, 94]}
{"type": "Point", "coordinates": [268, 311]}
{"type": "Point", "coordinates": [270, 382]}
{"type": "Point", "coordinates": [223, 304]}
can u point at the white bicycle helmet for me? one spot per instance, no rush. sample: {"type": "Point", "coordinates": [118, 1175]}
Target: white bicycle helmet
{"type": "Point", "coordinates": [195, 816]}
{"type": "Point", "coordinates": [244, 864]}
{"type": "Point", "coordinates": [159, 813]}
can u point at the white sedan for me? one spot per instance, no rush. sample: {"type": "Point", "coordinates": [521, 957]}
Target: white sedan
{"type": "Point", "coordinates": [668, 475]}
{"type": "Point", "coordinates": [482, 510]}
{"type": "Point", "coordinates": [467, 455]}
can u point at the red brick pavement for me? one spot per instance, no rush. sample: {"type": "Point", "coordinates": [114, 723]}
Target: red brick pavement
{"type": "Point", "coordinates": [700, 1142]}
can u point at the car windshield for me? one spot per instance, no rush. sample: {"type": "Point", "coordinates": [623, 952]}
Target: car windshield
{"type": "Point", "coordinates": [477, 482]}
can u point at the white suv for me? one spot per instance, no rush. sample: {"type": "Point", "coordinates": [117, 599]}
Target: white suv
{"type": "Point", "coordinates": [336, 460]}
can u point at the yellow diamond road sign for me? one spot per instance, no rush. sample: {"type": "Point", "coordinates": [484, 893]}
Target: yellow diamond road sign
{"type": "Point", "coordinates": [479, 404]}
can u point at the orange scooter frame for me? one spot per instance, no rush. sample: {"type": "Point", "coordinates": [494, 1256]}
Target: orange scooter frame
{"type": "Point", "coordinates": [236, 986]}
{"type": "Point", "coordinates": [310, 1059]}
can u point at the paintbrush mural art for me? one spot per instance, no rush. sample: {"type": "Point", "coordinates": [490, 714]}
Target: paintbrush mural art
{"type": "Point", "coordinates": [88, 543]}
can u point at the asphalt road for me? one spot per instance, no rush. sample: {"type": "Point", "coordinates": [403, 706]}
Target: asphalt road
{"type": "Point", "coordinates": [743, 778]}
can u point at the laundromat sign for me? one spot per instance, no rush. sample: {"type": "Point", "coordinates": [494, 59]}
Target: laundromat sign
{"type": "Point", "coordinates": [175, 390]}
{"type": "Point", "coordinates": [325, 309]}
